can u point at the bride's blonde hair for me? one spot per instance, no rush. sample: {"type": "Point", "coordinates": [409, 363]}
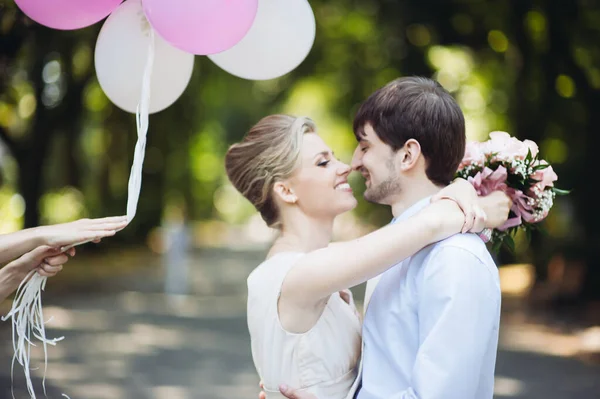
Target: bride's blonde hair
{"type": "Point", "coordinates": [269, 153]}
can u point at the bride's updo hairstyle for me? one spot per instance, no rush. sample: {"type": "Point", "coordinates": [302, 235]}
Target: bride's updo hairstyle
{"type": "Point", "coordinates": [269, 153]}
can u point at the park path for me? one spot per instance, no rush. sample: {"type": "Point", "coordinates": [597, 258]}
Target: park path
{"type": "Point", "coordinates": [126, 338]}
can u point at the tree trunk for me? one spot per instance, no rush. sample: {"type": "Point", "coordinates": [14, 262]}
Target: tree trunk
{"type": "Point", "coordinates": [32, 160]}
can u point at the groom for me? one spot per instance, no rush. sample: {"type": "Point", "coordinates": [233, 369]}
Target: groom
{"type": "Point", "coordinates": [431, 324]}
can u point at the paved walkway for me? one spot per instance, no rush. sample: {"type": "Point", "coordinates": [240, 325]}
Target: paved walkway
{"type": "Point", "coordinates": [126, 338]}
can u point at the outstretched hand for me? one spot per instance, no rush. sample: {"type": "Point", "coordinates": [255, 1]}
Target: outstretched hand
{"type": "Point", "coordinates": [66, 235]}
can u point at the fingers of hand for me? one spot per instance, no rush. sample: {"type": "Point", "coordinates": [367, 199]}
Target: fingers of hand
{"type": "Point", "coordinates": [287, 392]}
{"type": "Point", "coordinates": [106, 220]}
{"type": "Point", "coordinates": [508, 205]}
{"type": "Point", "coordinates": [56, 260]}
{"type": "Point", "coordinates": [480, 219]}
{"type": "Point", "coordinates": [110, 223]}
{"type": "Point", "coordinates": [47, 270]}
{"type": "Point", "coordinates": [88, 236]}
{"type": "Point", "coordinates": [108, 226]}
{"type": "Point", "coordinates": [469, 220]}
{"type": "Point", "coordinates": [40, 253]}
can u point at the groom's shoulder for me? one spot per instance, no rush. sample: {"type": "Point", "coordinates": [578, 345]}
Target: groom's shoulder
{"type": "Point", "coordinates": [470, 244]}
{"type": "Point", "coordinates": [462, 255]}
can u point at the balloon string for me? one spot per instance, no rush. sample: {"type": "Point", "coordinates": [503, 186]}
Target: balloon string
{"type": "Point", "coordinates": [141, 117]}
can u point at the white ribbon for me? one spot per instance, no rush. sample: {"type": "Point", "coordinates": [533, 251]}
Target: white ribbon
{"type": "Point", "coordinates": [27, 319]}
{"type": "Point", "coordinates": [26, 312]}
{"type": "Point", "coordinates": [141, 117]}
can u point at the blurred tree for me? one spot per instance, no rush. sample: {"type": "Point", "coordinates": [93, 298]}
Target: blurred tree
{"type": "Point", "coordinates": [529, 67]}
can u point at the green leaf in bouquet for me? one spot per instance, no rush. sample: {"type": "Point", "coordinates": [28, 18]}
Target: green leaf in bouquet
{"type": "Point", "coordinates": [541, 166]}
{"type": "Point", "coordinates": [529, 156]}
{"type": "Point", "coordinates": [496, 246]}
{"type": "Point", "coordinates": [510, 243]}
{"type": "Point", "coordinates": [558, 191]}
{"type": "Point", "coordinates": [528, 234]}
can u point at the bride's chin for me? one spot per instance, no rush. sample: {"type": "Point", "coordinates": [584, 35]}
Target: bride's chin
{"type": "Point", "coordinates": [350, 206]}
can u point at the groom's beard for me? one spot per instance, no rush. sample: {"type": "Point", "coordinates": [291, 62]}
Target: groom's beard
{"type": "Point", "coordinates": [391, 186]}
{"type": "Point", "coordinates": [379, 193]}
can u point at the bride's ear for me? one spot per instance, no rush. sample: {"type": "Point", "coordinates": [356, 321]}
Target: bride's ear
{"type": "Point", "coordinates": [285, 192]}
{"type": "Point", "coordinates": [410, 154]}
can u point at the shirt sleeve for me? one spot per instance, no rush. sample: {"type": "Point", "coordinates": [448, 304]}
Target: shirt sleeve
{"type": "Point", "coordinates": [459, 300]}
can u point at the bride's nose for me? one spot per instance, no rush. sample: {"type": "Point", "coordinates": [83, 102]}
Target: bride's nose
{"type": "Point", "coordinates": [344, 169]}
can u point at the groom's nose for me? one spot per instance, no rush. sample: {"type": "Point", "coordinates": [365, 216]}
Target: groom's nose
{"type": "Point", "coordinates": [356, 163]}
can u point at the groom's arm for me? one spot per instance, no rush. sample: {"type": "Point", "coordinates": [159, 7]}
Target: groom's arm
{"type": "Point", "coordinates": [459, 301]}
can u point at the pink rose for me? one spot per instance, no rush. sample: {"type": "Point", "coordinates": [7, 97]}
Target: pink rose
{"type": "Point", "coordinates": [509, 148]}
{"type": "Point", "coordinates": [473, 155]}
{"type": "Point", "coordinates": [545, 177]}
{"type": "Point", "coordinates": [532, 146]}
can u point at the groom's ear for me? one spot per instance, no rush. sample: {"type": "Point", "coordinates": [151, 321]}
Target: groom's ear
{"type": "Point", "coordinates": [410, 154]}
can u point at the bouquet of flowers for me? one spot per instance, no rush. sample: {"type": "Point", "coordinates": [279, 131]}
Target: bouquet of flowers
{"type": "Point", "coordinates": [513, 166]}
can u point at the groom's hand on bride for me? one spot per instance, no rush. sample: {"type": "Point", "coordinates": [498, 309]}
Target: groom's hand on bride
{"type": "Point", "coordinates": [288, 392]}
{"type": "Point", "coordinates": [292, 393]}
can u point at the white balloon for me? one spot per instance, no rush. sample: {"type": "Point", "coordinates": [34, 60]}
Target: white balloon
{"type": "Point", "coordinates": [121, 54]}
{"type": "Point", "coordinates": [279, 40]}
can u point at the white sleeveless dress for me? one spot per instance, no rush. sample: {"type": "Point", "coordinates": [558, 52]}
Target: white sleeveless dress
{"type": "Point", "coordinates": [322, 361]}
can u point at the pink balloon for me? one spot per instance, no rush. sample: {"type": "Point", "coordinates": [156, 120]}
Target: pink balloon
{"type": "Point", "coordinates": [201, 27]}
{"type": "Point", "coordinates": [67, 14]}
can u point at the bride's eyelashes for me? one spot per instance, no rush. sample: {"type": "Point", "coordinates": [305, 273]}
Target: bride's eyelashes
{"type": "Point", "coordinates": [323, 164]}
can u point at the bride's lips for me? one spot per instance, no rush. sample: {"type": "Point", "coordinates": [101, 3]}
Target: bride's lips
{"type": "Point", "coordinates": [343, 186]}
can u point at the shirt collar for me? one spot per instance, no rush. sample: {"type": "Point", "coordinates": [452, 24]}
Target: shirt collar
{"type": "Point", "coordinates": [412, 210]}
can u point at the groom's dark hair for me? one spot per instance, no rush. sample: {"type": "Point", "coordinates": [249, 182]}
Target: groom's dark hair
{"type": "Point", "coordinates": [421, 109]}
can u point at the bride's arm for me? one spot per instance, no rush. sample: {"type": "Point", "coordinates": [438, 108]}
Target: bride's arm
{"type": "Point", "coordinates": [322, 272]}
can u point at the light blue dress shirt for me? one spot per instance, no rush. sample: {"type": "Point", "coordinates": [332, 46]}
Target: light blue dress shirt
{"type": "Point", "coordinates": [431, 326]}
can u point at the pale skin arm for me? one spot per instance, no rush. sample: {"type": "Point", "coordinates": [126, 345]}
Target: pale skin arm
{"type": "Point", "coordinates": [323, 272]}
{"type": "Point", "coordinates": [13, 245]}
{"type": "Point", "coordinates": [328, 270]}
{"type": "Point", "coordinates": [48, 262]}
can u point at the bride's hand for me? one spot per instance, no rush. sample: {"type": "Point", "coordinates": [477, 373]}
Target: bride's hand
{"type": "Point", "coordinates": [445, 218]}
{"type": "Point", "coordinates": [496, 206]}
{"type": "Point", "coordinates": [463, 193]}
